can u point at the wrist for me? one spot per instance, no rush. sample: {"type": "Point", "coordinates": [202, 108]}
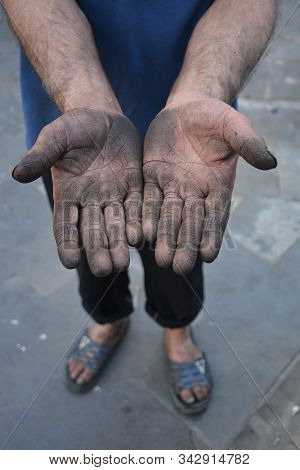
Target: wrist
{"type": "Point", "coordinates": [85, 92]}
{"type": "Point", "coordinates": [175, 101]}
{"type": "Point", "coordinates": [94, 102]}
{"type": "Point", "coordinates": [189, 89]}
{"type": "Point", "coordinates": [190, 97]}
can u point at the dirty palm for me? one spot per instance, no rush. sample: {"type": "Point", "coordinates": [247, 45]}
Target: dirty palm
{"type": "Point", "coordinates": [97, 186]}
{"type": "Point", "coordinates": [190, 158]}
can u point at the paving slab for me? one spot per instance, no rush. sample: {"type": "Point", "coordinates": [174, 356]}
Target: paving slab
{"type": "Point", "coordinates": [120, 415]}
{"type": "Point", "coordinates": [289, 171]}
{"type": "Point", "coordinates": [268, 227]}
{"type": "Point", "coordinates": [27, 237]}
{"type": "Point", "coordinates": [275, 78]}
{"type": "Point", "coordinates": [37, 261]}
{"type": "Point", "coordinates": [276, 423]}
{"type": "Point", "coordinates": [24, 211]}
{"type": "Point", "coordinates": [285, 10]}
{"type": "Point", "coordinates": [277, 74]}
{"type": "Point", "coordinates": [286, 50]}
{"type": "Point", "coordinates": [287, 122]}
{"type": "Point", "coordinates": [263, 120]}
{"type": "Point", "coordinates": [250, 181]}
{"type": "Point", "coordinates": [285, 399]}
{"type": "Point", "coordinates": [262, 328]}
{"type": "Point", "coordinates": [7, 423]}
{"type": "Point", "coordinates": [259, 435]}
{"type": "Point", "coordinates": [34, 336]}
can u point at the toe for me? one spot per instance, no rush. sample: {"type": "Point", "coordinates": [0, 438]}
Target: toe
{"type": "Point", "coordinates": [76, 370]}
{"type": "Point", "coordinates": [187, 396]}
{"type": "Point", "coordinates": [85, 376]}
{"type": "Point", "coordinates": [72, 364]}
{"type": "Point", "coordinates": [199, 392]}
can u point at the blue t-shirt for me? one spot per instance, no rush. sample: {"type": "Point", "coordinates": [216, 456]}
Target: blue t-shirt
{"type": "Point", "coordinates": [141, 44]}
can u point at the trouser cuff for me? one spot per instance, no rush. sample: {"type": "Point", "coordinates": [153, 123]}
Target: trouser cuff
{"type": "Point", "coordinates": [103, 317]}
{"type": "Point", "coordinates": [167, 323]}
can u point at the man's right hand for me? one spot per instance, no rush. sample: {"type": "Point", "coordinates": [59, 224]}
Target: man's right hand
{"type": "Point", "coordinates": [96, 160]}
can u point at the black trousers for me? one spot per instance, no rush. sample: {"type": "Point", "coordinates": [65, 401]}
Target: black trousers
{"type": "Point", "coordinates": [170, 300]}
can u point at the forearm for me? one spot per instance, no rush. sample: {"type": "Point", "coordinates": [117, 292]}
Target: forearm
{"type": "Point", "coordinates": [59, 43]}
{"type": "Point", "coordinates": [225, 46]}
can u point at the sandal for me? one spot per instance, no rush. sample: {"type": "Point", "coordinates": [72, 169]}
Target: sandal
{"type": "Point", "coordinates": [188, 375]}
{"type": "Point", "coordinates": [94, 356]}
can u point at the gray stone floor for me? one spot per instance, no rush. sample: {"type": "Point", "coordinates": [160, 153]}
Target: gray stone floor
{"type": "Point", "coordinates": [250, 326]}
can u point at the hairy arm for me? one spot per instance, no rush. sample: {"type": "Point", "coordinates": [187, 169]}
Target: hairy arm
{"type": "Point", "coordinates": [59, 43]}
{"type": "Point", "coordinates": [192, 146]}
{"type": "Point", "coordinates": [93, 150]}
{"type": "Point", "coordinates": [224, 48]}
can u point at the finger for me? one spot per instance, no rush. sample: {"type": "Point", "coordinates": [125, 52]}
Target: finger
{"type": "Point", "coordinates": [189, 236]}
{"type": "Point", "coordinates": [151, 208]}
{"type": "Point", "coordinates": [65, 219]}
{"type": "Point", "coordinates": [51, 144]}
{"type": "Point", "coordinates": [95, 240]}
{"type": "Point", "coordinates": [133, 216]}
{"type": "Point", "coordinates": [168, 228]}
{"type": "Point", "coordinates": [115, 231]}
{"type": "Point", "coordinates": [133, 207]}
{"type": "Point", "coordinates": [217, 206]}
{"type": "Point", "coordinates": [243, 139]}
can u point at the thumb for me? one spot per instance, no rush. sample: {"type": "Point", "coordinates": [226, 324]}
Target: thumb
{"type": "Point", "coordinates": [240, 135]}
{"type": "Point", "coordinates": [51, 145]}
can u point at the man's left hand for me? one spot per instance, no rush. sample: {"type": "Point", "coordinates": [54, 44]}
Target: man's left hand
{"type": "Point", "coordinates": [190, 158]}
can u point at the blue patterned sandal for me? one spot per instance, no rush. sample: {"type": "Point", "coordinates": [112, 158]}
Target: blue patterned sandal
{"type": "Point", "coordinates": [94, 356]}
{"type": "Point", "coordinates": [186, 376]}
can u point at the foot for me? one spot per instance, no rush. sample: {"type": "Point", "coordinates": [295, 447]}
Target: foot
{"type": "Point", "coordinates": [181, 348]}
{"type": "Point", "coordinates": [109, 333]}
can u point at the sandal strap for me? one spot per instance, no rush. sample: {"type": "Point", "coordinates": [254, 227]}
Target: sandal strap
{"type": "Point", "coordinates": [88, 352]}
{"type": "Point", "coordinates": [190, 374]}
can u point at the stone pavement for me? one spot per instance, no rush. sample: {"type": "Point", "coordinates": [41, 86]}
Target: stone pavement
{"type": "Point", "coordinates": [250, 329]}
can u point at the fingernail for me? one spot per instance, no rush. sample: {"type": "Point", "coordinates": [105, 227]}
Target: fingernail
{"type": "Point", "coordinates": [274, 158]}
{"type": "Point", "coordinates": [13, 172]}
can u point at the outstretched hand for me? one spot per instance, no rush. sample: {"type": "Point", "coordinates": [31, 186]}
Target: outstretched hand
{"type": "Point", "coordinates": [190, 159]}
{"type": "Point", "coordinates": [96, 161]}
